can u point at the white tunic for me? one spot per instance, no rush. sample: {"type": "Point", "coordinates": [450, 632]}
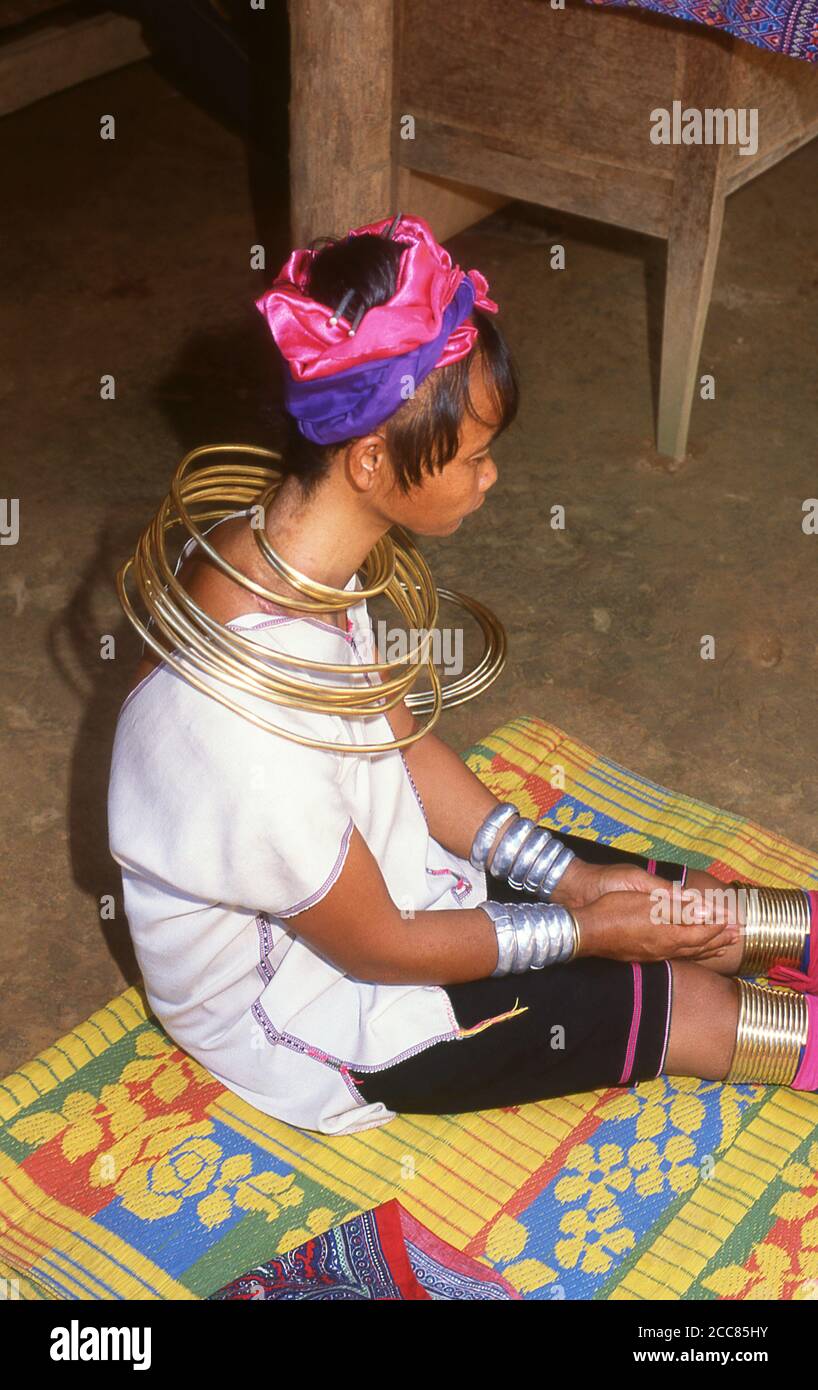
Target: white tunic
{"type": "Point", "coordinates": [224, 834]}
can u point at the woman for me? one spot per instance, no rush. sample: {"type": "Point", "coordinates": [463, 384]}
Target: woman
{"type": "Point", "coordinates": [340, 936]}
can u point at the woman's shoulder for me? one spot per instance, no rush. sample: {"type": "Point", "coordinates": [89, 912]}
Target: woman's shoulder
{"type": "Point", "coordinates": [178, 712]}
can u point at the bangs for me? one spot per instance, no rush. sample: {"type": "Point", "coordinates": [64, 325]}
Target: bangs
{"type": "Point", "coordinates": [424, 435]}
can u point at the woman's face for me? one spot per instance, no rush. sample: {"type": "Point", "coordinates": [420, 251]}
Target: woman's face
{"type": "Point", "coordinates": [437, 506]}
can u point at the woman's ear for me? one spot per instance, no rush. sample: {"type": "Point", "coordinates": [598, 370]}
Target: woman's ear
{"type": "Point", "coordinates": [366, 461]}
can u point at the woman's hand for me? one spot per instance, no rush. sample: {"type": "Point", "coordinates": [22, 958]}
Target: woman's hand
{"type": "Point", "coordinates": [637, 926]}
{"type": "Point", "coordinates": [583, 883]}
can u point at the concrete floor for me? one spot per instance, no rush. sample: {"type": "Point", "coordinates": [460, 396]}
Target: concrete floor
{"type": "Point", "coordinates": [132, 258]}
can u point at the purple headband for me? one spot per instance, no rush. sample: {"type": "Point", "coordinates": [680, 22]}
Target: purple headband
{"type": "Point", "coordinates": [353, 402]}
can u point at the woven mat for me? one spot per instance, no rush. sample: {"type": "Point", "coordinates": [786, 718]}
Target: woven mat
{"type": "Point", "coordinates": [126, 1171]}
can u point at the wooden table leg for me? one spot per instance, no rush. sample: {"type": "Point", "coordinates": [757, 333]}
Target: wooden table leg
{"type": "Point", "coordinates": [693, 244]}
{"type": "Point", "coordinates": [342, 128]}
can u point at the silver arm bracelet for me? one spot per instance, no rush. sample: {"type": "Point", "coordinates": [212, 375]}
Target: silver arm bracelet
{"type": "Point", "coordinates": [530, 935]}
{"type": "Point", "coordinates": [510, 846]}
{"type": "Point", "coordinates": [528, 856]}
{"type": "Point", "coordinates": [484, 839]}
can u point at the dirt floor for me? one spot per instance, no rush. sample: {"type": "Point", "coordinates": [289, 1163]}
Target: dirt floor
{"type": "Point", "coordinates": [132, 258]}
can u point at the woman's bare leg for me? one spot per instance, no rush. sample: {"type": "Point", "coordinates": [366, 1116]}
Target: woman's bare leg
{"type": "Point", "coordinates": [725, 961]}
{"type": "Point", "coordinates": [703, 1022]}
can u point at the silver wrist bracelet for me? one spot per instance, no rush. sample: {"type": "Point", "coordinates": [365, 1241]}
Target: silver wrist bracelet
{"type": "Point", "coordinates": [555, 873]}
{"type": "Point", "coordinates": [550, 851]}
{"type": "Point", "coordinates": [531, 935]}
{"type": "Point", "coordinates": [528, 856]}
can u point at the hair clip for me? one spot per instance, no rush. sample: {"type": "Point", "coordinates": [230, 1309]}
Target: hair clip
{"type": "Point", "coordinates": [336, 313]}
{"type": "Point", "coordinates": [390, 231]}
{"type": "Point", "coordinates": [356, 322]}
{"type": "Point", "coordinates": [387, 233]}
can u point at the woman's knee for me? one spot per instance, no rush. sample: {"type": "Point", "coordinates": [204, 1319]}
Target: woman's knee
{"type": "Point", "coordinates": [703, 1022]}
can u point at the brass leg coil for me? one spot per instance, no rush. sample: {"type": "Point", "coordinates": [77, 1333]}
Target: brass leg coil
{"type": "Point", "coordinates": [772, 1029]}
{"type": "Point", "coordinates": [776, 927]}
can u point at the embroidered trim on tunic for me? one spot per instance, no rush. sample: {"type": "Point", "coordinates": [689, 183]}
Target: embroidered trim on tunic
{"type": "Point", "coordinates": [265, 938]}
{"type": "Point", "coordinates": [418, 797]}
{"type": "Point", "coordinates": [275, 1037]}
{"type": "Point", "coordinates": [459, 890]}
{"type": "Point", "coordinates": [328, 882]}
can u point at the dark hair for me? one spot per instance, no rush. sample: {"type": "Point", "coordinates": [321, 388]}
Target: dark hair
{"type": "Point", "coordinates": [424, 434]}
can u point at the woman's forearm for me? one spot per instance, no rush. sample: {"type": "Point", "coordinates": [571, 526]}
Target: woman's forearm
{"type": "Point", "coordinates": [455, 800]}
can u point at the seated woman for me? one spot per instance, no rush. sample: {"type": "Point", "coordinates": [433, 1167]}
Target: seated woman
{"type": "Point", "coordinates": [340, 934]}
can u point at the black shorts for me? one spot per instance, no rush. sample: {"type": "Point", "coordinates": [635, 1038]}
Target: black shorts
{"type": "Point", "coordinates": [587, 1024]}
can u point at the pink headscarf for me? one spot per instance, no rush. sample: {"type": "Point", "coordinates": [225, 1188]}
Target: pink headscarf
{"type": "Point", "coordinates": [426, 284]}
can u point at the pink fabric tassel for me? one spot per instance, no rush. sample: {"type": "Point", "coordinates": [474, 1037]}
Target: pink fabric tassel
{"type": "Point", "coordinates": [804, 982]}
{"type": "Point", "coordinates": [806, 1078]}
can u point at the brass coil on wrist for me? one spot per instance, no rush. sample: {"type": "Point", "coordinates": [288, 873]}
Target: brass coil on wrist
{"type": "Point", "coordinates": [577, 936]}
{"type": "Point", "coordinates": [200, 649]}
{"type": "Point", "coordinates": [772, 1029]}
{"type": "Point", "coordinates": [776, 927]}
